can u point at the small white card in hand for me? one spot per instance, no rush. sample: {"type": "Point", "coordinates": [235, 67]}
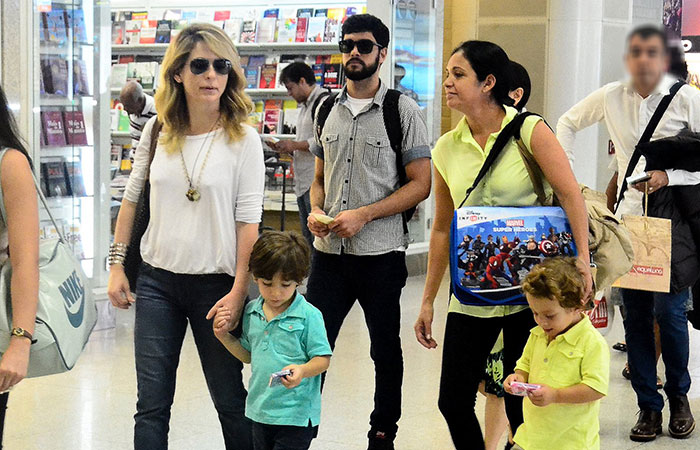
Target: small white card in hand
{"type": "Point", "coordinates": [276, 378]}
{"type": "Point", "coordinates": [324, 219]}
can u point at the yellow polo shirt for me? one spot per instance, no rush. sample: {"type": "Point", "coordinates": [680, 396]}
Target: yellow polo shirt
{"type": "Point", "coordinates": [578, 356]}
{"type": "Point", "coordinates": [458, 158]}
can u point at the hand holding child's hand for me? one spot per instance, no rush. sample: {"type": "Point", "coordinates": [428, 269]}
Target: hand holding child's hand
{"type": "Point", "coordinates": [512, 378]}
{"type": "Point", "coordinates": [221, 321]}
{"type": "Point", "coordinates": [293, 380]}
{"type": "Point", "coordinates": [543, 396]}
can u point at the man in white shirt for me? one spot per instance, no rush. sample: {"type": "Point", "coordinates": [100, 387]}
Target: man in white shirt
{"type": "Point", "coordinates": [140, 107]}
{"type": "Point", "coordinates": [626, 107]}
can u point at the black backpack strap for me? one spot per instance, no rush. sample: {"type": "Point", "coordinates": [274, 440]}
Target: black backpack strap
{"type": "Point", "coordinates": [394, 130]}
{"type": "Point", "coordinates": [646, 137]}
{"type": "Point", "coordinates": [510, 131]}
{"type": "Point", "coordinates": [321, 96]}
{"type": "Point", "coordinates": [322, 114]}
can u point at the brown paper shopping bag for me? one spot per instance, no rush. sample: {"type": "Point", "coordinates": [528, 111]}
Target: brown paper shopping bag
{"type": "Point", "coordinates": [651, 240]}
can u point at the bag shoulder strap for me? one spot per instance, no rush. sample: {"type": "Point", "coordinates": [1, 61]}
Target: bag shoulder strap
{"type": "Point", "coordinates": [155, 133]}
{"type": "Point", "coordinates": [322, 114]}
{"type": "Point", "coordinates": [646, 137]}
{"type": "Point", "coordinates": [394, 130]}
{"type": "Point", "coordinates": [512, 130]}
{"type": "Point", "coordinates": [321, 96]}
{"type": "Point", "coordinates": [534, 172]}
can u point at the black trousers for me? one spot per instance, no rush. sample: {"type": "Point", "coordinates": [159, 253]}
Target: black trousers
{"type": "Point", "coordinates": [3, 408]}
{"type": "Point", "coordinates": [336, 282]}
{"type": "Point", "coordinates": [282, 437]}
{"type": "Point", "coordinates": [468, 342]}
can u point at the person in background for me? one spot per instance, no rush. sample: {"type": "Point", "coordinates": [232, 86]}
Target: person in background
{"type": "Point", "coordinates": [626, 108]}
{"type": "Point", "coordinates": [140, 107]}
{"type": "Point", "coordinates": [19, 245]}
{"type": "Point", "coordinates": [300, 81]}
{"type": "Point", "coordinates": [207, 181]}
{"type": "Point", "coordinates": [477, 85]}
{"type": "Point", "coordinates": [361, 255]}
{"type": "Point", "coordinates": [281, 331]}
{"type": "Point", "coordinates": [566, 357]}
{"type": "Point", "coordinates": [495, 418]}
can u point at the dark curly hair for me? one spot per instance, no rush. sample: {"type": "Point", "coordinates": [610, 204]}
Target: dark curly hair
{"type": "Point", "coordinates": [280, 252]}
{"type": "Point", "coordinates": [360, 23]}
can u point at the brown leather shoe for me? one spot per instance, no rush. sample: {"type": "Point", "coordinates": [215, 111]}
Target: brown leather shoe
{"type": "Point", "coordinates": [648, 426]}
{"type": "Point", "coordinates": [682, 422]}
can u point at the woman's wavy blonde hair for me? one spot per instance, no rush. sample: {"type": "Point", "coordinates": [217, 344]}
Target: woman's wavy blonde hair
{"type": "Point", "coordinates": [171, 104]}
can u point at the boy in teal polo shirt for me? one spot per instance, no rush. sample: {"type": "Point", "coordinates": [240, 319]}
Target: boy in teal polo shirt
{"type": "Point", "coordinates": [281, 331]}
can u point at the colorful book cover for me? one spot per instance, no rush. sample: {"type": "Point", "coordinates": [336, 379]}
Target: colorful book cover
{"type": "Point", "coordinates": [271, 122]}
{"type": "Point", "coordinates": [53, 127]}
{"type": "Point", "coordinates": [267, 29]}
{"type": "Point", "coordinates": [118, 32]}
{"type": "Point", "coordinates": [336, 58]}
{"type": "Point", "coordinates": [290, 117]}
{"type": "Point", "coordinates": [56, 27]}
{"type": "Point", "coordinates": [58, 70]}
{"type": "Point", "coordinates": [331, 76]}
{"type": "Point", "coordinates": [273, 104]}
{"type": "Point", "coordinates": [132, 33]}
{"type": "Point", "coordinates": [163, 31]}
{"type": "Point", "coordinates": [232, 27]}
{"type": "Point", "coordinates": [287, 30]}
{"type": "Point", "coordinates": [321, 12]}
{"type": "Point", "coordinates": [148, 32]}
{"type": "Point", "coordinates": [273, 12]}
{"type": "Point", "coordinates": [268, 76]}
{"type": "Point", "coordinates": [305, 12]}
{"type": "Point", "coordinates": [75, 177]}
{"type": "Point", "coordinates": [75, 128]}
{"type": "Point", "coordinates": [172, 14]}
{"type": "Point", "coordinates": [126, 59]}
{"type": "Point", "coordinates": [75, 19]}
{"type": "Point", "coordinates": [302, 26]}
{"type": "Point", "coordinates": [332, 31]}
{"type": "Point", "coordinates": [319, 70]}
{"type": "Point", "coordinates": [248, 31]}
{"type": "Point", "coordinates": [350, 11]}
{"type": "Point", "coordinates": [189, 15]}
{"type": "Point", "coordinates": [81, 84]}
{"type": "Point", "coordinates": [316, 29]}
{"type": "Point", "coordinates": [56, 180]}
{"type": "Point", "coordinates": [139, 15]}
{"type": "Point", "coordinates": [256, 118]}
{"type": "Point", "coordinates": [221, 15]}
{"type": "Point", "coordinates": [251, 76]}
{"type": "Point", "coordinates": [256, 60]}
{"type": "Point", "coordinates": [280, 68]}
{"type": "Point", "coordinates": [336, 13]}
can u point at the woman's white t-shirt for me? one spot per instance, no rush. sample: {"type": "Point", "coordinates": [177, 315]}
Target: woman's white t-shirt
{"type": "Point", "coordinates": [199, 237]}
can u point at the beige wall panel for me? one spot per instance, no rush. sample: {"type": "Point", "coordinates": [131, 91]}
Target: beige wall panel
{"type": "Point", "coordinates": [512, 8]}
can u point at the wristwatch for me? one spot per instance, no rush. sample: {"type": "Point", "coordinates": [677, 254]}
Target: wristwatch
{"type": "Point", "coordinates": [21, 332]}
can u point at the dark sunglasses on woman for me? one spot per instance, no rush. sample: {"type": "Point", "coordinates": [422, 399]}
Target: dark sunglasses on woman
{"type": "Point", "coordinates": [200, 65]}
{"type": "Point", "coordinates": [364, 46]}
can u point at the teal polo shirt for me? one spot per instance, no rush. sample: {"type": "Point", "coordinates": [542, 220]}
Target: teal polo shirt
{"type": "Point", "coordinates": [293, 337]}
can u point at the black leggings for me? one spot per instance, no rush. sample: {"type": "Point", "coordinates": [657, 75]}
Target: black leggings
{"type": "Point", "coordinates": [468, 342]}
{"type": "Point", "coordinates": [3, 409]}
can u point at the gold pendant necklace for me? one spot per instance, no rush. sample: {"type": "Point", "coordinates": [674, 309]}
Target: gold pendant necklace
{"type": "Point", "coordinates": [193, 193]}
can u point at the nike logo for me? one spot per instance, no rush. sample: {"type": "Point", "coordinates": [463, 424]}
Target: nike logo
{"type": "Point", "coordinates": [73, 292]}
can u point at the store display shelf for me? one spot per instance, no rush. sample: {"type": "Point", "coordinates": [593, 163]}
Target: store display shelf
{"type": "Point", "coordinates": [62, 101]}
{"type": "Point", "coordinates": [46, 49]}
{"type": "Point", "coordinates": [278, 136]}
{"type": "Point", "coordinates": [121, 134]}
{"type": "Point", "coordinates": [303, 47]}
{"type": "Point", "coordinates": [66, 202]}
{"type": "Point", "coordinates": [117, 91]}
{"type": "Point", "coordinates": [273, 92]}
{"type": "Point", "coordinates": [62, 152]}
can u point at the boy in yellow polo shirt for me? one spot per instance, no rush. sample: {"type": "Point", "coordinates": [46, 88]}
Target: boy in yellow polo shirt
{"type": "Point", "coordinates": [567, 357]}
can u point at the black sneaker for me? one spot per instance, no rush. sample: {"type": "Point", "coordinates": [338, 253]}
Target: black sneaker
{"type": "Point", "coordinates": [379, 440]}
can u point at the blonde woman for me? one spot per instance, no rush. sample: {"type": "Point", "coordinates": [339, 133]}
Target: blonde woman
{"type": "Point", "coordinates": [207, 181]}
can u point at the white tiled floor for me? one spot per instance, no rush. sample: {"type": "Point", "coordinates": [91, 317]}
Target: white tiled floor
{"type": "Point", "coordinates": [91, 407]}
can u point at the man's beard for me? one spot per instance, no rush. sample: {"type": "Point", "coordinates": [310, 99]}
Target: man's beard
{"type": "Point", "coordinates": [362, 74]}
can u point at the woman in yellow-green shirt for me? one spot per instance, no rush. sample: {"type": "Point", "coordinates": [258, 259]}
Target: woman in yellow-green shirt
{"type": "Point", "coordinates": [477, 85]}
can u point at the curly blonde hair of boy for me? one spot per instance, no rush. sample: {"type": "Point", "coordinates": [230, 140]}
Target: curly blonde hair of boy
{"type": "Point", "coordinates": [556, 279]}
{"type": "Point", "coordinates": [171, 103]}
{"type": "Point", "coordinates": [275, 252]}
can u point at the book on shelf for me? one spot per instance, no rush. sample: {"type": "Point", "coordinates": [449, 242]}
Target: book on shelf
{"type": "Point", "coordinates": [147, 74]}
{"type": "Point", "coordinates": [118, 32]}
{"type": "Point", "coordinates": [56, 179]}
{"type": "Point", "coordinates": [220, 16]}
{"type": "Point", "coordinates": [272, 12]}
{"type": "Point", "coordinates": [256, 117]}
{"type": "Point", "coordinates": [75, 128]}
{"type": "Point", "coordinates": [318, 73]}
{"type": "Point", "coordinates": [350, 11]}
{"type": "Point", "coordinates": [149, 30]}
{"type": "Point", "coordinates": [290, 117]}
{"type": "Point", "coordinates": [163, 31]}
{"type": "Point", "coordinates": [75, 20]}
{"type": "Point", "coordinates": [336, 13]}
{"type": "Point", "coordinates": [177, 27]}
{"type": "Point", "coordinates": [81, 84]}
{"type": "Point", "coordinates": [268, 76]}
{"type": "Point", "coordinates": [204, 16]}
{"type": "Point", "coordinates": [121, 15]}
{"type": "Point", "coordinates": [126, 59]}
{"type": "Point", "coordinates": [267, 29]}
{"type": "Point", "coordinates": [172, 14]}
{"type": "Point", "coordinates": [43, 181]}
{"type": "Point", "coordinates": [115, 156]}
{"type": "Point", "coordinates": [55, 73]}
{"type": "Point", "coordinates": [305, 12]}
{"type": "Point", "coordinates": [132, 32]}
{"type": "Point", "coordinates": [331, 76]}
{"type": "Point", "coordinates": [251, 76]}
{"type": "Point", "coordinates": [302, 27]}
{"type": "Point", "coordinates": [287, 30]}
{"type": "Point", "coordinates": [332, 31]}
{"type": "Point", "coordinates": [256, 60]}
{"type": "Point", "coordinates": [55, 24]}
{"type": "Point", "coordinates": [74, 172]}
{"type": "Point", "coordinates": [119, 75]}
{"type": "Point", "coordinates": [52, 122]}
{"type": "Point", "coordinates": [244, 59]}
{"type": "Point", "coordinates": [139, 15]}
{"type": "Point", "coordinates": [232, 27]}
{"type": "Point", "coordinates": [271, 124]}
{"type": "Point", "coordinates": [336, 58]}
{"type": "Point", "coordinates": [321, 12]}
{"type": "Point", "coordinates": [316, 29]}
{"type": "Point", "coordinates": [280, 67]}
{"type": "Point", "coordinates": [248, 31]}
{"type": "Point", "coordinates": [189, 15]}
{"type": "Point", "coordinates": [273, 104]}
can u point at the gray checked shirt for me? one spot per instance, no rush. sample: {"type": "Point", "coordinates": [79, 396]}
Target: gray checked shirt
{"type": "Point", "coordinates": [360, 169]}
{"type": "Point", "coordinates": [305, 162]}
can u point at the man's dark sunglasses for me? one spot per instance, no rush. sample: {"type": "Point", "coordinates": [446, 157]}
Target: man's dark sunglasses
{"type": "Point", "coordinates": [364, 46]}
{"type": "Point", "coordinates": [200, 65]}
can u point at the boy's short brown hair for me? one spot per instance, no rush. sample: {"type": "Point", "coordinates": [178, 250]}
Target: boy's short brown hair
{"type": "Point", "coordinates": [556, 279]}
{"type": "Point", "coordinates": [284, 252]}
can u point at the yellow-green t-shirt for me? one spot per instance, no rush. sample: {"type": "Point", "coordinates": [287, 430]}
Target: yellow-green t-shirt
{"type": "Point", "coordinates": [578, 356]}
{"type": "Point", "coordinates": [458, 158]}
